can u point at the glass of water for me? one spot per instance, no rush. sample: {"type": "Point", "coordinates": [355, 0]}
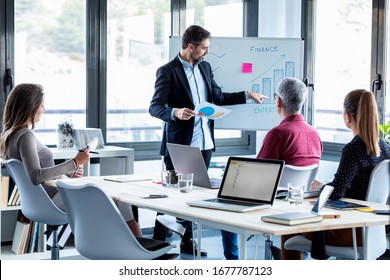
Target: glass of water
{"type": "Point", "coordinates": [185, 182]}
{"type": "Point", "coordinates": [295, 193]}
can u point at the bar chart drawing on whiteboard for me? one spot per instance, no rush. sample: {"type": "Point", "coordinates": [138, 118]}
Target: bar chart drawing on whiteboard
{"type": "Point", "coordinates": [251, 64]}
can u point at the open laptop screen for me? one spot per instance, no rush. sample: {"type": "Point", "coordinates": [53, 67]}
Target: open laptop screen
{"type": "Point", "coordinates": [251, 179]}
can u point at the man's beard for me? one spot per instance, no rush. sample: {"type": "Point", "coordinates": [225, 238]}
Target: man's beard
{"type": "Point", "coordinates": [200, 59]}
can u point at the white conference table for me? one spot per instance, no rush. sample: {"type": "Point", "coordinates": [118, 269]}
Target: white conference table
{"type": "Point", "coordinates": [244, 224]}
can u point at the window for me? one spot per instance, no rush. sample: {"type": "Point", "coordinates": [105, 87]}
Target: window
{"type": "Point", "coordinates": [48, 46]}
{"type": "Point", "coordinates": [280, 18]}
{"type": "Point", "coordinates": [138, 33]}
{"type": "Point", "coordinates": [50, 50]}
{"type": "Point", "coordinates": [342, 61]}
{"type": "Point", "coordinates": [208, 15]}
{"type": "Point", "coordinates": [220, 17]}
{"type": "Point", "coordinates": [134, 55]}
{"type": "Point", "coordinates": [386, 77]}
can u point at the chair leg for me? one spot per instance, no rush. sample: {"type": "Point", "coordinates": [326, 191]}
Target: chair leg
{"type": "Point", "coordinates": [268, 244]}
{"type": "Point", "coordinates": [256, 244]}
{"type": "Point", "coordinates": [55, 248]}
{"type": "Point", "coordinates": [199, 239]}
{"type": "Point", "coordinates": [354, 243]}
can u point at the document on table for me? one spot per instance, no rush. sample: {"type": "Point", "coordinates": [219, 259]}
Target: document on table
{"type": "Point", "coordinates": [211, 111]}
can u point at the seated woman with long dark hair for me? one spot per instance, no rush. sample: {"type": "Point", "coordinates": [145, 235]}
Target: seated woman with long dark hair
{"type": "Point", "coordinates": [23, 109]}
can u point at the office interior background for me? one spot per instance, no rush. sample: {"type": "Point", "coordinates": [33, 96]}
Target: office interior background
{"type": "Point", "coordinates": [97, 60]}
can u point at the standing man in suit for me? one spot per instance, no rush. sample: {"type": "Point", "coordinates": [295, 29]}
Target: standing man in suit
{"type": "Point", "coordinates": [180, 85]}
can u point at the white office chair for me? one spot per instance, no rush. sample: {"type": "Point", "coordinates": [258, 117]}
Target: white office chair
{"type": "Point", "coordinates": [374, 237]}
{"type": "Point", "coordinates": [298, 175]}
{"type": "Point", "coordinates": [295, 175]}
{"type": "Point", "coordinates": [100, 232]}
{"type": "Point", "coordinates": [36, 205]}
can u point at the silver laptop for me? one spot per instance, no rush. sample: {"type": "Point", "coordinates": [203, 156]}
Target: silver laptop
{"type": "Point", "coordinates": [248, 184]}
{"type": "Point", "coordinates": [189, 159]}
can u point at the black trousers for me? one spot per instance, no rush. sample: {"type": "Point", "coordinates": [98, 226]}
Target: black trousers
{"type": "Point", "coordinates": [160, 232]}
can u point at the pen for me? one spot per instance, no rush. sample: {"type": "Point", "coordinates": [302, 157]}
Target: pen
{"type": "Point", "coordinates": [331, 216]}
{"type": "Point", "coordinates": [92, 152]}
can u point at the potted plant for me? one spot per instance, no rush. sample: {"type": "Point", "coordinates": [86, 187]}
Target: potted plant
{"type": "Point", "coordinates": [385, 131]}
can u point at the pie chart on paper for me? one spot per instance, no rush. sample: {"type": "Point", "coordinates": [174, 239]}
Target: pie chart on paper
{"type": "Point", "coordinates": [210, 111]}
{"type": "Point", "coordinates": [207, 111]}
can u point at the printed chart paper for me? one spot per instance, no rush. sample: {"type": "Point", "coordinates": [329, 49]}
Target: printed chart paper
{"type": "Point", "coordinates": [211, 111]}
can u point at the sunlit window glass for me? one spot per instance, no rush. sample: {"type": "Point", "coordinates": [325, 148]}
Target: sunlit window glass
{"type": "Point", "coordinates": [50, 50]}
{"type": "Point", "coordinates": [342, 61]}
{"type": "Point", "coordinates": [138, 37]}
{"type": "Point", "coordinates": [223, 19]}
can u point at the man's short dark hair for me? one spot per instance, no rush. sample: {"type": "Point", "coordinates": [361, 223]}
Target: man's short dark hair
{"type": "Point", "coordinates": [194, 35]}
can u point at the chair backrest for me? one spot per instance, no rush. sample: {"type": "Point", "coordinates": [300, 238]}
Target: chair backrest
{"type": "Point", "coordinates": [378, 191]}
{"type": "Point", "coordinates": [298, 175]}
{"type": "Point", "coordinates": [379, 186]}
{"type": "Point", "coordinates": [99, 229]}
{"type": "Point", "coordinates": [375, 236]}
{"type": "Point", "coordinates": [36, 205]}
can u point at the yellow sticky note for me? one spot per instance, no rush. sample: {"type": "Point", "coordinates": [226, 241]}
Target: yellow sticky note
{"type": "Point", "coordinates": [365, 209]}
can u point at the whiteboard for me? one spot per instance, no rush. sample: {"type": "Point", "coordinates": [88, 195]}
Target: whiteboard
{"type": "Point", "coordinates": [252, 64]}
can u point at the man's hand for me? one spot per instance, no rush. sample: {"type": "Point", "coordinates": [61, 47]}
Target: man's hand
{"type": "Point", "coordinates": [257, 97]}
{"type": "Point", "coordinates": [183, 113]}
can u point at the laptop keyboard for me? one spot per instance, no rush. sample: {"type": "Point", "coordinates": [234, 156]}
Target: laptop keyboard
{"type": "Point", "coordinates": [308, 194]}
{"type": "Point", "coordinates": [234, 202]}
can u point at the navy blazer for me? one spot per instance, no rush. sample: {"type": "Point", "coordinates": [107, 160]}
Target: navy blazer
{"type": "Point", "coordinates": [172, 90]}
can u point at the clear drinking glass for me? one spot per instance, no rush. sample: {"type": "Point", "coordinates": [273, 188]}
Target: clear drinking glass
{"type": "Point", "coordinates": [295, 193]}
{"type": "Point", "coordinates": [185, 182]}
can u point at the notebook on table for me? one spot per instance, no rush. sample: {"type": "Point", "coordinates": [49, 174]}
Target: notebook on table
{"type": "Point", "coordinates": [189, 160]}
{"type": "Point", "coordinates": [297, 218]}
{"type": "Point", "coordinates": [248, 184]}
{"type": "Point", "coordinates": [343, 205]}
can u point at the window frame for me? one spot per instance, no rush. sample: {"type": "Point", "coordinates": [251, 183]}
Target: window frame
{"type": "Point", "coordinates": [246, 145]}
{"type": "Point", "coordinates": [331, 150]}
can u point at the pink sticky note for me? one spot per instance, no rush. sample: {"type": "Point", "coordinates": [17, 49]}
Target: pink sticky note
{"type": "Point", "coordinates": [247, 67]}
